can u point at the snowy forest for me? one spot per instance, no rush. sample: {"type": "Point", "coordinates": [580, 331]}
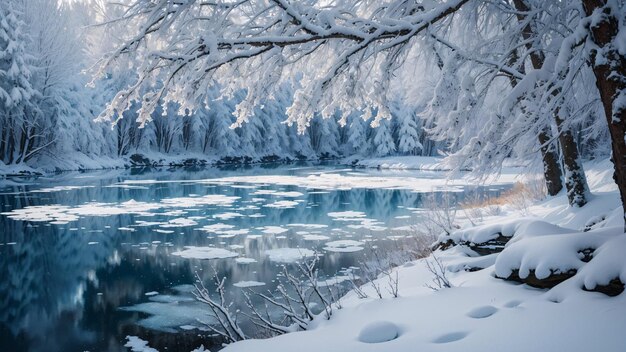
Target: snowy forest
{"type": "Point", "coordinates": [49, 49]}
{"type": "Point", "coordinates": [279, 175]}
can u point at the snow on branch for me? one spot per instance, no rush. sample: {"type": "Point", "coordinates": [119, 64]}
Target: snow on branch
{"type": "Point", "coordinates": [184, 47]}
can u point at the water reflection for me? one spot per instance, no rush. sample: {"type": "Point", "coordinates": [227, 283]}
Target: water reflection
{"type": "Point", "coordinates": [77, 280]}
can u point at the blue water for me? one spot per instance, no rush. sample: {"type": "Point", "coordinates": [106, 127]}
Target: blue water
{"type": "Point", "coordinates": [79, 274]}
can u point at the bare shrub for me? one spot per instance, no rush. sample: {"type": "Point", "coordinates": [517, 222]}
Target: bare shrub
{"type": "Point", "coordinates": [377, 269]}
{"type": "Point", "coordinates": [227, 320]}
{"type": "Point", "coordinates": [286, 309]}
{"type": "Point", "coordinates": [441, 214]}
{"type": "Point", "coordinates": [520, 197]}
{"type": "Point", "coordinates": [436, 267]}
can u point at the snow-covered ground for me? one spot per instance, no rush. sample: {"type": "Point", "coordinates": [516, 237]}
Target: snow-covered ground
{"type": "Point", "coordinates": [413, 162]}
{"type": "Point", "coordinates": [432, 163]}
{"type": "Point", "coordinates": [483, 313]}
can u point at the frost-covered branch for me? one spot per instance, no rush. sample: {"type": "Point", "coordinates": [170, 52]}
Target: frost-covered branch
{"type": "Point", "coordinates": [185, 46]}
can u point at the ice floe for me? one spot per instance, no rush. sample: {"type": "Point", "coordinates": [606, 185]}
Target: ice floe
{"type": "Point", "coordinates": [193, 252]}
{"type": "Point", "coordinates": [288, 255]}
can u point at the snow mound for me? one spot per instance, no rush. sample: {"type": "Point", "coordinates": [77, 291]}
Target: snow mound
{"type": "Point", "coordinates": [605, 273]}
{"type": "Point", "coordinates": [481, 234]}
{"type": "Point", "coordinates": [379, 331]}
{"type": "Point", "coordinates": [471, 263]}
{"type": "Point", "coordinates": [546, 253]}
{"type": "Point", "coordinates": [492, 238]}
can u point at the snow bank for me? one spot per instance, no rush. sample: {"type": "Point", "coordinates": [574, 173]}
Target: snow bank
{"type": "Point", "coordinates": [481, 312]}
{"type": "Point", "coordinates": [379, 331]}
{"type": "Point", "coordinates": [430, 163]}
{"type": "Point", "coordinates": [548, 254]}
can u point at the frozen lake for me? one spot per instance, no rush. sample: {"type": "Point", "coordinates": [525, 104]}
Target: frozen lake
{"type": "Point", "coordinates": [89, 258]}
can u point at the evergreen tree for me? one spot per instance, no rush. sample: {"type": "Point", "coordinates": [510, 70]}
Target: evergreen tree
{"type": "Point", "coordinates": [357, 134]}
{"type": "Point", "coordinates": [18, 130]}
{"type": "Point", "coordinates": [383, 141]}
{"type": "Point", "coordinates": [408, 136]}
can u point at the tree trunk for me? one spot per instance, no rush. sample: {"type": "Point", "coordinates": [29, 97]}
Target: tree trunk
{"type": "Point", "coordinates": [610, 75]}
{"type": "Point", "coordinates": [575, 180]}
{"type": "Point", "coordinates": [551, 168]}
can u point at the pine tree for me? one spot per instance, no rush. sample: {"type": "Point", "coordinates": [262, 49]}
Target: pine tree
{"type": "Point", "coordinates": [16, 92]}
{"type": "Point", "coordinates": [327, 138]}
{"type": "Point", "coordinates": [408, 135]}
{"type": "Point", "coordinates": [383, 140]}
{"type": "Point", "coordinates": [357, 135]}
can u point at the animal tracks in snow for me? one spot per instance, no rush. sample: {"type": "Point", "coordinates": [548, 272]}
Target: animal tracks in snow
{"type": "Point", "coordinates": [451, 337]}
{"type": "Point", "coordinates": [513, 304]}
{"type": "Point", "coordinates": [482, 312]}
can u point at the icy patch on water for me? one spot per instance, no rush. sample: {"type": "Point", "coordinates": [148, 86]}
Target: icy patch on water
{"type": "Point", "coordinates": [232, 233]}
{"type": "Point", "coordinates": [344, 246]}
{"type": "Point", "coordinates": [163, 231]}
{"type": "Point", "coordinates": [59, 189]}
{"type": "Point", "coordinates": [214, 228]}
{"type": "Point", "coordinates": [56, 213]}
{"type": "Point", "coordinates": [336, 181]}
{"type": "Point", "coordinates": [350, 214]}
{"type": "Point", "coordinates": [282, 204]}
{"type": "Point", "coordinates": [309, 226]}
{"type": "Point", "coordinates": [193, 252]}
{"type": "Point", "coordinates": [368, 224]}
{"type": "Point", "coordinates": [271, 192]}
{"type": "Point", "coordinates": [210, 199]}
{"type": "Point", "coordinates": [244, 261]}
{"type": "Point", "coordinates": [315, 237]}
{"type": "Point", "coordinates": [288, 255]}
{"type": "Point", "coordinates": [169, 316]}
{"type": "Point", "coordinates": [246, 284]}
{"type": "Point", "coordinates": [63, 214]}
{"type": "Point", "coordinates": [138, 345]}
{"type": "Point", "coordinates": [336, 280]}
{"type": "Point", "coordinates": [227, 215]}
{"type": "Point", "coordinates": [122, 186]}
{"type": "Point", "coordinates": [273, 230]}
{"type": "Point", "coordinates": [180, 222]}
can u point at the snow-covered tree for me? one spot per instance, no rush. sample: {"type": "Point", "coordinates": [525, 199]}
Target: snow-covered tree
{"type": "Point", "coordinates": [325, 137]}
{"type": "Point", "coordinates": [408, 134]}
{"type": "Point", "coordinates": [357, 134]}
{"type": "Point", "coordinates": [22, 134]}
{"type": "Point", "coordinates": [383, 142]}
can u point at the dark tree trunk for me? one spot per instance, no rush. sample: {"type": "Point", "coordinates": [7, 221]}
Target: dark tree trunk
{"type": "Point", "coordinates": [549, 155]}
{"type": "Point", "coordinates": [551, 168]}
{"type": "Point", "coordinates": [575, 180]}
{"type": "Point", "coordinates": [611, 81]}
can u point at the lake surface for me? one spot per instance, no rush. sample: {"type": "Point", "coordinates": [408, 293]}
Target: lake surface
{"type": "Point", "coordinates": [87, 259]}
